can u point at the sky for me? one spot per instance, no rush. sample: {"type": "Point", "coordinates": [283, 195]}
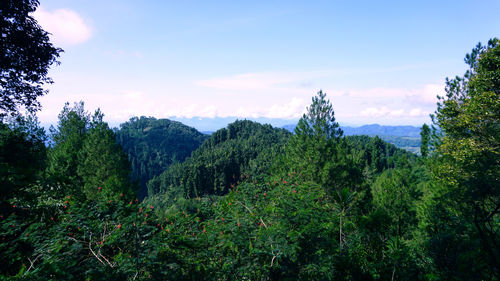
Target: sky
{"type": "Point", "coordinates": [378, 61]}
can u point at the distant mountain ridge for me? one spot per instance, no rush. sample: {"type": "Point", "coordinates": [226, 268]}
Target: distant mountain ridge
{"type": "Point", "coordinates": [374, 130]}
{"type": "Point", "coordinates": [210, 125]}
{"type": "Point", "coordinates": [405, 137]}
{"type": "Point", "coordinates": [380, 130]}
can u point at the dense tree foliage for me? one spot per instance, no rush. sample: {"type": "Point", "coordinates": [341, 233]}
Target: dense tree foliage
{"type": "Point", "coordinates": [245, 148]}
{"type": "Point", "coordinates": [22, 158]}
{"type": "Point", "coordinates": [67, 141]}
{"type": "Point", "coordinates": [153, 145]}
{"type": "Point", "coordinates": [257, 203]}
{"type": "Point", "coordinates": [425, 136]}
{"type": "Point", "coordinates": [316, 141]}
{"type": "Point", "coordinates": [84, 156]}
{"type": "Point", "coordinates": [25, 57]}
{"type": "Point", "coordinates": [468, 171]}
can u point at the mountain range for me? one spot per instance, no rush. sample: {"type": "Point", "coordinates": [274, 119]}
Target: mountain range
{"type": "Point", "coordinates": [374, 130]}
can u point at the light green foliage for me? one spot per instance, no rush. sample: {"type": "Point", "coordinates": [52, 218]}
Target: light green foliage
{"type": "Point", "coordinates": [468, 169]}
{"type": "Point", "coordinates": [395, 192]}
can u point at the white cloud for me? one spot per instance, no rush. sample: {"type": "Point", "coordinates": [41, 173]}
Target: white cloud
{"type": "Point", "coordinates": [251, 95]}
{"type": "Point", "coordinates": [134, 95]}
{"type": "Point", "coordinates": [301, 83]}
{"type": "Point", "coordinates": [427, 95]}
{"type": "Point", "coordinates": [66, 26]}
{"type": "Point", "coordinates": [375, 112]}
{"type": "Point", "coordinates": [424, 95]}
{"type": "Point", "coordinates": [267, 80]}
{"type": "Point", "coordinates": [209, 111]}
{"type": "Point", "coordinates": [294, 108]}
{"type": "Point", "coordinates": [397, 113]}
{"type": "Point", "coordinates": [416, 112]}
{"type": "Point", "coordinates": [384, 111]}
{"type": "Point", "coordinates": [245, 111]}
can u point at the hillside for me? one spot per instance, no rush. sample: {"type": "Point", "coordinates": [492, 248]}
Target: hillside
{"type": "Point", "coordinates": [243, 148]}
{"type": "Point", "coordinates": [154, 144]}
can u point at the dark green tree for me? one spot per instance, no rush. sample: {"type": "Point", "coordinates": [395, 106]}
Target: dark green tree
{"type": "Point", "coordinates": [242, 150]}
{"type": "Point", "coordinates": [395, 193]}
{"type": "Point", "coordinates": [425, 137]}
{"type": "Point", "coordinates": [318, 151]}
{"type": "Point", "coordinates": [67, 140]}
{"type": "Point", "coordinates": [315, 140]}
{"type": "Point", "coordinates": [378, 153]}
{"type": "Point", "coordinates": [102, 164]}
{"type": "Point", "coordinates": [22, 159]}
{"type": "Point", "coordinates": [26, 56]}
{"type": "Point", "coordinates": [85, 158]}
{"type": "Point", "coordinates": [153, 145]}
{"type": "Point", "coordinates": [319, 121]}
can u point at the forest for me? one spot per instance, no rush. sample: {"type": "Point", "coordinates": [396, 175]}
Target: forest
{"type": "Point", "coordinates": [157, 200]}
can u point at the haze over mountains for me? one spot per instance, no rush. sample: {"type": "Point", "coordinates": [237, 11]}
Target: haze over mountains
{"type": "Point", "coordinates": [405, 136]}
{"type": "Point", "coordinates": [375, 130]}
{"type": "Point", "coordinates": [208, 125]}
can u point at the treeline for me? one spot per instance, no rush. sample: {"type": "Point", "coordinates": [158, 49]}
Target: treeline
{"type": "Point", "coordinates": [253, 202]}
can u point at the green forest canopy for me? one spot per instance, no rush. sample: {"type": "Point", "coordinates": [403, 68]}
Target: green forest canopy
{"type": "Point", "coordinates": [256, 203]}
{"type": "Point", "coordinates": [153, 145]}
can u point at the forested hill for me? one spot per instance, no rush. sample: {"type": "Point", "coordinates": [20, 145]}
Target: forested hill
{"type": "Point", "coordinates": [154, 144]}
{"type": "Point", "coordinates": [249, 202]}
{"type": "Point", "coordinates": [157, 149]}
{"type": "Point", "coordinates": [243, 148]}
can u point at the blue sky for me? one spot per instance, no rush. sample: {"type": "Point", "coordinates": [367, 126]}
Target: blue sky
{"type": "Point", "coordinates": [378, 61]}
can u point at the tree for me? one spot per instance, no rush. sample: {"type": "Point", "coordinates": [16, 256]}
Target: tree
{"type": "Point", "coordinates": [319, 120]}
{"type": "Point", "coordinates": [102, 164]}
{"type": "Point", "coordinates": [343, 199]}
{"type": "Point", "coordinates": [469, 164]}
{"type": "Point", "coordinates": [26, 56]}
{"type": "Point", "coordinates": [241, 150]}
{"type": "Point", "coordinates": [22, 158]}
{"type": "Point", "coordinates": [425, 136]}
{"type": "Point", "coordinates": [68, 139]}
{"type": "Point", "coordinates": [395, 193]}
{"type": "Point", "coordinates": [153, 145]}
{"type": "Point", "coordinates": [318, 151]}
{"type": "Point", "coordinates": [314, 144]}
{"type": "Point", "coordinates": [85, 158]}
